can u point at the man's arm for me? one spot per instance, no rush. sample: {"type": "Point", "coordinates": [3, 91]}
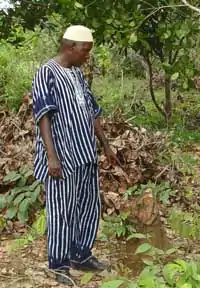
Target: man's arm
{"type": "Point", "coordinates": [45, 132]}
{"type": "Point", "coordinates": [100, 134]}
{"type": "Point", "coordinates": [44, 105]}
{"type": "Point", "coordinates": [113, 160]}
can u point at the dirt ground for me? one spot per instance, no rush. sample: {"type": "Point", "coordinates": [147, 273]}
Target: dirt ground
{"type": "Point", "coordinates": [28, 267]}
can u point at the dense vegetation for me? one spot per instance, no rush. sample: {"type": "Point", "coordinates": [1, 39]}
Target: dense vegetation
{"type": "Point", "coordinates": [146, 72]}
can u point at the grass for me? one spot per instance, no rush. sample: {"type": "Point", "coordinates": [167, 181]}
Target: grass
{"type": "Point", "coordinates": [132, 97]}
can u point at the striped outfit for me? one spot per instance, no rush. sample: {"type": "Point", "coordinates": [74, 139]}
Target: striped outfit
{"type": "Point", "coordinates": [73, 202]}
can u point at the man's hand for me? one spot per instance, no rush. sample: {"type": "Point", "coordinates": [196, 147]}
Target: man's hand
{"type": "Point", "coordinates": [54, 166]}
{"type": "Point", "coordinates": [112, 158]}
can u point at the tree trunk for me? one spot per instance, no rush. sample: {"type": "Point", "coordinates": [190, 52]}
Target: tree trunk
{"type": "Point", "coordinates": [151, 88]}
{"type": "Point", "coordinates": [168, 100]}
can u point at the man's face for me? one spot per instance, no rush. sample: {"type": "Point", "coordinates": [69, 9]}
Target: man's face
{"type": "Point", "coordinates": [81, 53]}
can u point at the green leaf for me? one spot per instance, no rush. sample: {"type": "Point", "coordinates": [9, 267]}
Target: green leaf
{"type": "Point", "coordinates": [166, 35]}
{"type": "Point", "coordinates": [181, 33]}
{"type": "Point", "coordinates": [35, 194]}
{"type": "Point", "coordinates": [12, 177]}
{"type": "Point", "coordinates": [136, 236]}
{"type": "Point", "coordinates": [2, 223]}
{"type": "Point", "coordinates": [22, 216]}
{"type": "Point", "coordinates": [185, 84]}
{"type": "Point", "coordinates": [133, 38]}
{"type": "Point", "coordinates": [23, 170]}
{"type": "Point", "coordinates": [40, 223]}
{"type": "Point", "coordinates": [24, 205]}
{"type": "Point", "coordinates": [78, 5]}
{"type": "Point", "coordinates": [186, 285]}
{"type": "Point", "coordinates": [87, 277]}
{"type": "Point", "coordinates": [11, 213]}
{"type": "Point", "coordinates": [132, 24]}
{"type": "Point", "coordinates": [109, 21]}
{"type": "Point", "coordinates": [28, 174]}
{"type": "Point", "coordinates": [171, 251]}
{"type": "Point", "coordinates": [148, 262]}
{"type": "Point", "coordinates": [167, 67]}
{"type": "Point", "coordinates": [22, 182]}
{"type": "Point", "coordinates": [112, 284]}
{"type": "Point", "coordinates": [19, 199]}
{"type": "Point", "coordinates": [143, 248]}
{"type": "Point", "coordinates": [17, 190]}
{"type": "Point", "coordinates": [9, 198]}
{"type": "Point", "coordinates": [34, 185]}
{"type": "Point", "coordinates": [196, 277]}
{"type": "Point", "coordinates": [132, 285]}
{"type": "Point", "coordinates": [170, 271]}
{"type": "Point", "coordinates": [146, 281]}
{"type": "Point", "coordinates": [2, 202]}
{"type": "Point", "coordinates": [175, 76]}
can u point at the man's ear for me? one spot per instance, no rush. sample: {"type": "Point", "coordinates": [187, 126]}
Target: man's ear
{"type": "Point", "coordinates": [72, 47]}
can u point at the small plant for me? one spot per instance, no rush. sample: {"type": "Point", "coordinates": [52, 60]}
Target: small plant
{"type": "Point", "coordinates": [156, 255]}
{"type": "Point", "coordinates": [38, 229]}
{"type": "Point", "coordinates": [22, 197]}
{"type": "Point", "coordinates": [186, 224]}
{"type": "Point", "coordinates": [176, 274]}
{"type": "Point", "coordinates": [182, 274]}
{"type": "Point", "coordinates": [118, 226]}
{"type": "Point", "coordinates": [161, 191]}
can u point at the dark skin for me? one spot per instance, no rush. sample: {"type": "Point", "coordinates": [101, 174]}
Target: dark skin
{"type": "Point", "coordinates": [71, 54]}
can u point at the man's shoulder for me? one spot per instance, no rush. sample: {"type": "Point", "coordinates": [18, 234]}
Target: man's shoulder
{"type": "Point", "coordinates": [46, 69]}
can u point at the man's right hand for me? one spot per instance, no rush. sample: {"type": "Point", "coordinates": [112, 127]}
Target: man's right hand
{"type": "Point", "coordinates": [54, 166]}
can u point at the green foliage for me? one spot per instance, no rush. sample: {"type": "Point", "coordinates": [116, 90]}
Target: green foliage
{"type": "Point", "coordinates": [103, 58]}
{"type": "Point", "coordinates": [23, 195]}
{"type": "Point", "coordinates": [2, 223]}
{"type": "Point", "coordinates": [156, 274]}
{"type": "Point", "coordinates": [161, 192]}
{"type": "Point", "coordinates": [119, 93]}
{"type": "Point", "coordinates": [156, 30]}
{"type": "Point", "coordinates": [86, 278]}
{"type": "Point", "coordinates": [167, 34]}
{"type": "Point", "coordinates": [185, 224]}
{"type": "Point", "coordinates": [18, 64]}
{"type": "Point", "coordinates": [38, 229]}
{"type": "Point", "coordinates": [39, 226]}
{"type": "Point", "coordinates": [21, 242]}
{"type": "Point", "coordinates": [114, 284]}
{"type": "Point", "coordinates": [182, 274]}
{"type": "Point", "coordinates": [178, 274]}
{"type": "Point", "coordinates": [118, 226]}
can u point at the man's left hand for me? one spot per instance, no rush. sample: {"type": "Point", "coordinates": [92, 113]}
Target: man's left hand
{"type": "Point", "coordinates": [112, 158]}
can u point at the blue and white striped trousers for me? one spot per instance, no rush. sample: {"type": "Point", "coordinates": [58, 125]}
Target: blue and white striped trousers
{"type": "Point", "coordinates": [73, 213]}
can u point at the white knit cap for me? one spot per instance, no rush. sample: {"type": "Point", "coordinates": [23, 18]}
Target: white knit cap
{"type": "Point", "coordinates": [78, 33]}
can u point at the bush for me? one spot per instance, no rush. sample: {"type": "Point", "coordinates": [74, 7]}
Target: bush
{"type": "Point", "coordinates": [18, 64]}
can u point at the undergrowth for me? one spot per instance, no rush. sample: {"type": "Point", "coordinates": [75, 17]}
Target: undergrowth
{"type": "Point", "coordinates": [131, 97]}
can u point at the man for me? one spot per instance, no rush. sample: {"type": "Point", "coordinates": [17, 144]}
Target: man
{"type": "Point", "coordinates": [67, 120]}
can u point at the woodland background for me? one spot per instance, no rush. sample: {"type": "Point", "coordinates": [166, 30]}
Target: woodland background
{"type": "Point", "coordinates": [144, 72]}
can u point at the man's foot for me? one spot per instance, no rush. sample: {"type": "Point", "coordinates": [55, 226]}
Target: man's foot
{"type": "Point", "coordinates": [91, 264]}
{"type": "Point", "coordinates": [64, 277]}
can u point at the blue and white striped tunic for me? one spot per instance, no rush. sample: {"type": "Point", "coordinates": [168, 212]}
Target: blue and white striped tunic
{"type": "Point", "coordinates": [65, 93]}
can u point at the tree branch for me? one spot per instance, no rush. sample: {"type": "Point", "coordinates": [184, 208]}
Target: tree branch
{"type": "Point", "coordinates": [151, 87]}
{"type": "Point", "coordinates": [176, 52]}
{"type": "Point", "coordinates": [191, 6]}
{"type": "Point", "coordinates": [155, 10]}
{"type": "Point", "coordinates": [38, 4]}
